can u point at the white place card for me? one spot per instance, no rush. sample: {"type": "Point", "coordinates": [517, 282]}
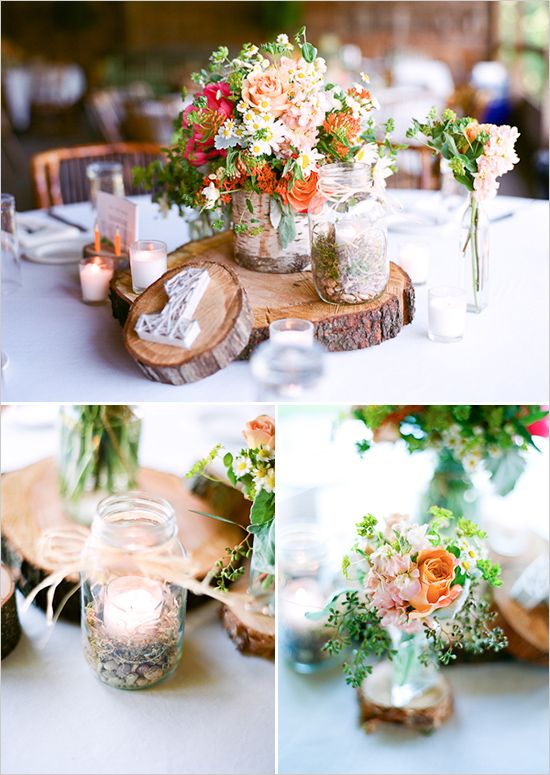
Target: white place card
{"type": "Point", "coordinates": [115, 212]}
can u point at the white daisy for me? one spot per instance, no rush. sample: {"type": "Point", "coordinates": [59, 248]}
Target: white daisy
{"type": "Point", "coordinates": [241, 466]}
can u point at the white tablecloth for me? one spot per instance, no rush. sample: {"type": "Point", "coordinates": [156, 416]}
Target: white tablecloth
{"type": "Point", "coordinates": [500, 726]}
{"type": "Point", "coordinates": [216, 714]}
{"type": "Point", "coordinates": [62, 350]}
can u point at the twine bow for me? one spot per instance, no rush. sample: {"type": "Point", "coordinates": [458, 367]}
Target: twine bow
{"type": "Point", "coordinates": [71, 551]}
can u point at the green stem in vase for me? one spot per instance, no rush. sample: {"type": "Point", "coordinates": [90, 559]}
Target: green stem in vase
{"type": "Point", "coordinates": [474, 221]}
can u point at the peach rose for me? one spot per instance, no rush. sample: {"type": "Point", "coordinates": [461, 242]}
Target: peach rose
{"type": "Point", "coordinates": [301, 193]}
{"type": "Point", "coordinates": [260, 432]}
{"type": "Point", "coordinates": [437, 570]}
{"type": "Point", "coordinates": [271, 86]}
{"type": "Point", "coordinates": [472, 130]}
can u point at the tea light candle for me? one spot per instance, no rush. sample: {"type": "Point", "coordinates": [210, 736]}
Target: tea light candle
{"type": "Point", "coordinates": [132, 604]}
{"type": "Point", "coordinates": [299, 597]}
{"type": "Point", "coordinates": [147, 263]}
{"type": "Point", "coordinates": [293, 331]}
{"type": "Point", "coordinates": [446, 314]}
{"type": "Point", "coordinates": [95, 276]}
{"type": "Point", "coordinates": [414, 258]}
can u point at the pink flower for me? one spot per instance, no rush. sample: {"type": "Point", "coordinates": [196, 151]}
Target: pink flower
{"type": "Point", "coordinates": [387, 562]}
{"type": "Point", "coordinates": [540, 427]}
{"type": "Point", "coordinates": [499, 156]}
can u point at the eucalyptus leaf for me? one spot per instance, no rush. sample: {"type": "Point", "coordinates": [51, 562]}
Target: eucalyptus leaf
{"type": "Point", "coordinates": [287, 229]}
{"type": "Point", "coordinates": [263, 508]}
{"type": "Point", "coordinates": [505, 470]}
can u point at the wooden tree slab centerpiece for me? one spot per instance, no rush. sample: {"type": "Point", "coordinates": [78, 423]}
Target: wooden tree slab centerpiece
{"type": "Point", "coordinates": [337, 326]}
{"type": "Point", "coordinates": [31, 504]}
{"type": "Point", "coordinates": [11, 629]}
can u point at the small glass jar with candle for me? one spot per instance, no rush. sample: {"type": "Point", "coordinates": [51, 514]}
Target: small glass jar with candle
{"type": "Point", "coordinates": [348, 236]}
{"type": "Point", "coordinates": [446, 314]}
{"type": "Point", "coordinates": [133, 616]}
{"type": "Point", "coordinates": [287, 371]}
{"type": "Point", "coordinates": [96, 273]}
{"type": "Point", "coordinates": [148, 262]}
{"type": "Point", "coordinates": [305, 587]}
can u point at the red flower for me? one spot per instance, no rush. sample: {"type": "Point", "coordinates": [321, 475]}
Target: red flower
{"type": "Point", "coordinates": [205, 123]}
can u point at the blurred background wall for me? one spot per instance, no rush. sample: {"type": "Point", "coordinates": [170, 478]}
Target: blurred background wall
{"type": "Point", "coordinates": [80, 72]}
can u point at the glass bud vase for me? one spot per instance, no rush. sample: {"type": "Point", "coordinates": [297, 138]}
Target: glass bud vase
{"type": "Point", "coordinates": [98, 455]}
{"type": "Point", "coordinates": [451, 487]}
{"type": "Point", "coordinates": [414, 668]}
{"type": "Point", "coordinates": [474, 254]}
{"type": "Point", "coordinates": [132, 617]}
{"type": "Point", "coordinates": [261, 587]}
{"type": "Point", "coordinates": [348, 236]}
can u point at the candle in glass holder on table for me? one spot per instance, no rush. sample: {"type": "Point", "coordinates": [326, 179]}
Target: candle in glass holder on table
{"type": "Point", "coordinates": [148, 262]}
{"type": "Point", "coordinates": [95, 276]}
{"type": "Point", "coordinates": [293, 331]}
{"type": "Point", "coordinates": [133, 606]}
{"type": "Point", "coordinates": [303, 638]}
{"type": "Point", "coordinates": [446, 314]}
{"type": "Point", "coordinates": [414, 258]}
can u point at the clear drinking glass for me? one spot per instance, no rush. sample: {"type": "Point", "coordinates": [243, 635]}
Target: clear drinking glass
{"type": "Point", "coordinates": [133, 616]}
{"type": "Point", "coordinates": [105, 176]}
{"type": "Point", "coordinates": [11, 265]}
{"type": "Point", "coordinates": [287, 372]}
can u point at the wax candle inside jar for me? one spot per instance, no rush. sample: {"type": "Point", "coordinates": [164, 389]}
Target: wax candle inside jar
{"type": "Point", "coordinates": [133, 606]}
{"type": "Point", "coordinates": [292, 331]}
{"type": "Point", "coordinates": [446, 314]}
{"type": "Point", "coordinates": [147, 263]}
{"type": "Point", "coordinates": [95, 275]}
{"type": "Point", "coordinates": [302, 638]}
{"type": "Point", "coordinates": [414, 258]}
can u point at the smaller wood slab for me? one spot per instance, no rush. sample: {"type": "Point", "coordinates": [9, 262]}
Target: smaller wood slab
{"type": "Point", "coordinates": [425, 713]}
{"type": "Point", "coordinates": [251, 633]}
{"type": "Point", "coordinates": [223, 314]}
{"type": "Point", "coordinates": [11, 629]}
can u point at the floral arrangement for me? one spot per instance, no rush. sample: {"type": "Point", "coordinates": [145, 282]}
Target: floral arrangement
{"type": "Point", "coordinates": [417, 579]}
{"type": "Point", "coordinates": [496, 437]}
{"type": "Point", "coordinates": [264, 122]}
{"type": "Point", "coordinates": [253, 472]}
{"type": "Point", "coordinates": [478, 154]}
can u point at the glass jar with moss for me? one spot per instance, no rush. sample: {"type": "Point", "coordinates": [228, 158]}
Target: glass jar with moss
{"type": "Point", "coordinates": [349, 256]}
{"type": "Point", "coordinates": [98, 455]}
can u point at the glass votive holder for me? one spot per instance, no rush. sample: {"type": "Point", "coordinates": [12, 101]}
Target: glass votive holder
{"type": "Point", "coordinates": [105, 176]}
{"type": "Point", "coordinates": [133, 618]}
{"type": "Point", "coordinates": [305, 588]}
{"type": "Point", "coordinates": [414, 258]}
{"type": "Point", "coordinates": [446, 313]}
{"type": "Point", "coordinates": [292, 331]}
{"type": "Point", "coordinates": [148, 262]}
{"type": "Point", "coordinates": [287, 372]}
{"type": "Point", "coordinates": [96, 273]}
{"type": "Point", "coordinates": [11, 264]}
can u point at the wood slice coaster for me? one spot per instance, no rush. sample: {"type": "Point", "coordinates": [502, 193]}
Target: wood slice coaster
{"type": "Point", "coordinates": [425, 713]}
{"type": "Point", "coordinates": [274, 296]}
{"type": "Point", "coordinates": [11, 629]}
{"type": "Point", "coordinates": [526, 629]}
{"type": "Point", "coordinates": [31, 503]}
{"type": "Point", "coordinates": [225, 323]}
{"type": "Point", "coordinates": [252, 633]}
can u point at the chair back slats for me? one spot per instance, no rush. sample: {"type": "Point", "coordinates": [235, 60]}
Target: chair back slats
{"type": "Point", "coordinates": [59, 176]}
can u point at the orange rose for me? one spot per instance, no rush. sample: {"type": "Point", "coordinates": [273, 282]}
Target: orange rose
{"type": "Point", "coordinates": [301, 193]}
{"type": "Point", "coordinates": [472, 130]}
{"type": "Point", "coordinates": [260, 432]}
{"type": "Point", "coordinates": [437, 569]}
{"type": "Point", "coordinates": [267, 91]}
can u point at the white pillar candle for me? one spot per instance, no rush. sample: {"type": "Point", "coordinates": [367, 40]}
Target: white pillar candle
{"type": "Point", "coordinates": [147, 263]}
{"type": "Point", "coordinates": [446, 314]}
{"type": "Point", "coordinates": [414, 258]}
{"type": "Point", "coordinates": [95, 275]}
{"type": "Point", "coordinates": [298, 598]}
{"type": "Point", "coordinates": [292, 331]}
{"type": "Point", "coordinates": [132, 606]}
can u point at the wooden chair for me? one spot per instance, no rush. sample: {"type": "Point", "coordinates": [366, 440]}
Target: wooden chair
{"type": "Point", "coordinates": [59, 175]}
{"type": "Point", "coordinates": [417, 168]}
